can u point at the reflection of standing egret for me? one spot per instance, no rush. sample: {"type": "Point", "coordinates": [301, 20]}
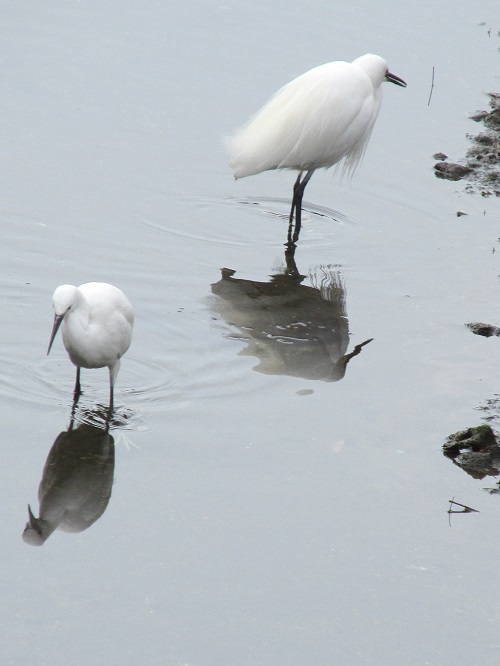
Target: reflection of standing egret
{"type": "Point", "coordinates": [293, 329]}
{"type": "Point", "coordinates": [97, 320]}
{"type": "Point", "coordinates": [76, 483]}
{"type": "Point", "coordinates": [315, 121]}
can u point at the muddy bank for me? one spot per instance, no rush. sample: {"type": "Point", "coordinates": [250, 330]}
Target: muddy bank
{"type": "Point", "coordinates": [481, 165]}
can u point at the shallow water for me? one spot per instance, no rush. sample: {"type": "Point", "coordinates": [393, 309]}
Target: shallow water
{"type": "Point", "coordinates": [258, 514]}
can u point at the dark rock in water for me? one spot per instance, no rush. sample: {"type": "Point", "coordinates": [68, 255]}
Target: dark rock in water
{"type": "Point", "coordinates": [486, 330]}
{"type": "Point", "coordinates": [475, 450]}
{"type": "Point", "coordinates": [451, 170]}
{"type": "Point", "coordinates": [478, 116]}
{"type": "Point", "coordinates": [476, 438]}
{"type": "Point", "coordinates": [440, 156]}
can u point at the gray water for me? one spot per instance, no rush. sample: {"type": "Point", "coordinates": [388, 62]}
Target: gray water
{"type": "Point", "coordinates": [272, 501]}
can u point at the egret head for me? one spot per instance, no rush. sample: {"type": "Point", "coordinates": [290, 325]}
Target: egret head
{"type": "Point", "coordinates": [63, 298]}
{"type": "Point", "coordinates": [377, 69]}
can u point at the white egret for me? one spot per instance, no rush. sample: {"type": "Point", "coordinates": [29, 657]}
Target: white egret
{"type": "Point", "coordinates": [97, 320]}
{"type": "Point", "coordinates": [320, 118]}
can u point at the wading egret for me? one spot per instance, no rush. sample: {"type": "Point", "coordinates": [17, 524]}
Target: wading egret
{"type": "Point", "coordinates": [315, 121]}
{"type": "Point", "coordinates": [97, 320]}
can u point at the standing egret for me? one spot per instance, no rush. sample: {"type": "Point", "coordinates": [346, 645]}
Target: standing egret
{"type": "Point", "coordinates": [315, 121]}
{"type": "Point", "coordinates": [97, 321]}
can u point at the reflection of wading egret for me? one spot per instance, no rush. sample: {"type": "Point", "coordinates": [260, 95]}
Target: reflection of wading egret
{"type": "Point", "coordinates": [313, 122]}
{"type": "Point", "coordinates": [97, 321]}
{"type": "Point", "coordinates": [76, 483]}
{"type": "Point", "coordinates": [291, 328]}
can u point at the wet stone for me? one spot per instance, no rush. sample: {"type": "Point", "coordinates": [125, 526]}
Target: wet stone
{"type": "Point", "coordinates": [451, 171]}
{"type": "Point", "coordinates": [475, 450]}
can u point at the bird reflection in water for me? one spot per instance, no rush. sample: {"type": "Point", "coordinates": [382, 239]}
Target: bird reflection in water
{"type": "Point", "coordinates": [76, 482]}
{"type": "Point", "coordinates": [293, 329]}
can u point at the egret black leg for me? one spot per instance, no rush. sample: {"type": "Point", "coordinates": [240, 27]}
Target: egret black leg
{"type": "Point", "coordinates": [298, 213]}
{"type": "Point", "coordinates": [111, 399]}
{"type": "Point", "coordinates": [113, 372]}
{"type": "Point", "coordinates": [298, 193]}
{"type": "Point", "coordinates": [78, 389]}
{"type": "Point", "coordinates": [296, 188]}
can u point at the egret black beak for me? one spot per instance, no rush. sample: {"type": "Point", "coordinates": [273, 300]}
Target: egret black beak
{"type": "Point", "coordinates": [395, 79]}
{"type": "Point", "coordinates": [57, 322]}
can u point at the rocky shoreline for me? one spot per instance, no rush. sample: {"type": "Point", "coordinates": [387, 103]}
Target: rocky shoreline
{"type": "Point", "coordinates": [481, 165]}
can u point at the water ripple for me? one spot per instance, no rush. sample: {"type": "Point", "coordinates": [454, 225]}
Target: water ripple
{"type": "Point", "coordinates": [319, 222]}
{"type": "Point", "coordinates": [144, 387]}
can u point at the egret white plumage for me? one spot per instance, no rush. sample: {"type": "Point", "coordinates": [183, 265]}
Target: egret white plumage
{"type": "Point", "coordinates": [317, 120]}
{"type": "Point", "coordinates": [97, 321]}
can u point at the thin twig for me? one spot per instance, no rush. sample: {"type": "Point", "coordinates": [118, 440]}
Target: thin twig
{"type": "Point", "coordinates": [465, 508]}
{"type": "Point", "coordinates": [432, 86]}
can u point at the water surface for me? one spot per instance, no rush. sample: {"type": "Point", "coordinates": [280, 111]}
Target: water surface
{"type": "Point", "coordinates": [260, 513]}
